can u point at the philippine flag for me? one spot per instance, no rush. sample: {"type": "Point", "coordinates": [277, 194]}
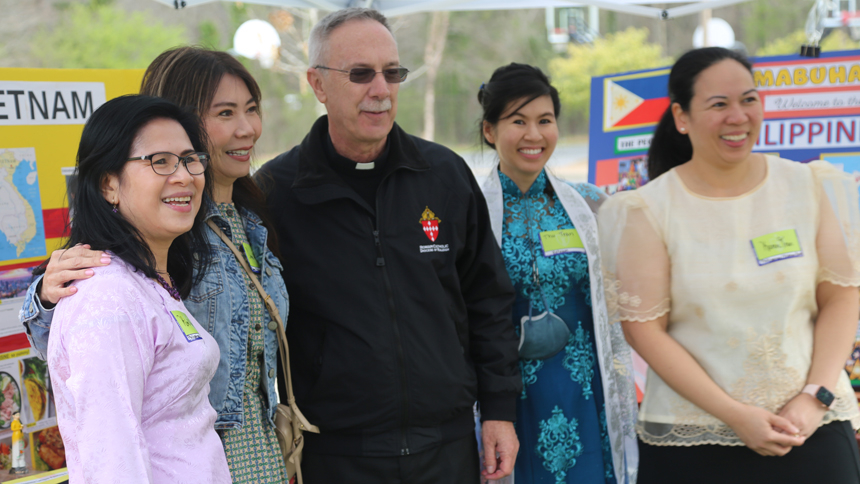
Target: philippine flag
{"type": "Point", "coordinates": [633, 102]}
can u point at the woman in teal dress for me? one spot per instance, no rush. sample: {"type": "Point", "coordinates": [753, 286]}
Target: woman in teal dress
{"type": "Point", "coordinates": [576, 413]}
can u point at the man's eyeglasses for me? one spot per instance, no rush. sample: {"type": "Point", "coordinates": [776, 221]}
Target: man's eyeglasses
{"type": "Point", "coordinates": [364, 75]}
{"type": "Point", "coordinates": [167, 163]}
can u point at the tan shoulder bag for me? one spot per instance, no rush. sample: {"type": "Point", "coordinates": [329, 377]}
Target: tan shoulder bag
{"type": "Point", "coordinates": [289, 421]}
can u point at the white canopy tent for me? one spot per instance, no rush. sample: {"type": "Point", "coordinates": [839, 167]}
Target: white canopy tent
{"type": "Point", "coordinates": [393, 8]}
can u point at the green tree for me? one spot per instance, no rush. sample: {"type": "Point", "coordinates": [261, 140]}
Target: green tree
{"type": "Point", "coordinates": [623, 51]}
{"type": "Point", "coordinates": [477, 43]}
{"type": "Point", "coordinates": [764, 20]}
{"type": "Point", "coordinates": [209, 35]}
{"type": "Point", "coordinates": [100, 35]}
{"type": "Point", "coordinates": [790, 44]}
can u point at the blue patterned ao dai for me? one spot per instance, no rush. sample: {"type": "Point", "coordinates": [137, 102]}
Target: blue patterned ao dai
{"type": "Point", "coordinates": [561, 422]}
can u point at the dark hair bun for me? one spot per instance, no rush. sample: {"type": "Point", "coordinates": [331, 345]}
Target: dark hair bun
{"type": "Point", "coordinates": [511, 83]}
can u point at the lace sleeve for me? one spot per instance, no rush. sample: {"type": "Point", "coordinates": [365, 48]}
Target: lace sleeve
{"type": "Point", "coordinates": [635, 260]}
{"type": "Point", "coordinates": [838, 239]}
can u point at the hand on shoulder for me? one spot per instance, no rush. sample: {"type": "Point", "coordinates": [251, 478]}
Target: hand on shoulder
{"type": "Point", "coordinates": [65, 266]}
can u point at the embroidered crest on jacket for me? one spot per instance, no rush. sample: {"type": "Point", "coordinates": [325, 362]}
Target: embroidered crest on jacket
{"type": "Point", "coordinates": [430, 223]}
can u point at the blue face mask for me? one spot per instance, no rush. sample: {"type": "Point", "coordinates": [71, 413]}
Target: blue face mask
{"type": "Point", "coordinates": [543, 335]}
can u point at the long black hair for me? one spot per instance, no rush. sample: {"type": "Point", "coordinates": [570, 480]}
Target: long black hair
{"type": "Point", "coordinates": [511, 83]}
{"type": "Point", "coordinates": [669, 148]}
{"type": "Point", "coordinates": [105, 146]}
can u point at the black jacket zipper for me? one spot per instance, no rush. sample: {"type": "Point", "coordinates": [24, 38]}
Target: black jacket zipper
{"type": "Point", "coordinates": [380, 262]}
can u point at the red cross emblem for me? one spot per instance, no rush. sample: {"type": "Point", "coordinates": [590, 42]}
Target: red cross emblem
{"type": "Point", "coordinates": [430, 223]}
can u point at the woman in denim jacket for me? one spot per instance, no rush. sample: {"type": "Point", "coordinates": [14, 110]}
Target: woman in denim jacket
{"type": "Point", "coordinates": [224, 301]}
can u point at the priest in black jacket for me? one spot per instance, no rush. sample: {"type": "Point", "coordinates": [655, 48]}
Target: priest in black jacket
{"type": "Point", "coordinates": [400, 304]}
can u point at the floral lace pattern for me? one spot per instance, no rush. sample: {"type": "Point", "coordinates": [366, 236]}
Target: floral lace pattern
{"type": "Point", "coordinates": [559, 444]}
{"type": "Point", "coordinates": [529, 370]}
{"type": "Point", "coordinates": [611, 349]}
{"type": "Point", "coordinates": [686, 435]}
{"type": "Point", "coordinates": [840, 193]}
{"type": "Point", "coordinates": [826, 275]}
{"type": "Point", "coordinates": [622, 306]}
{"type": "Point", "coordinates": [615, 362]}
{"type": "Point", "coordinates": [720, 292]}
{"type": "Point", "coordinates": [588, 191]}
{"type": "Point", "coordinates": [608, 473]}
{"type": "Point", "coordinates": [579, 359]}
{"type": "Point", "coordinates": [845, 274]}
{"type": "Point", "coordinates": [528, 215]}
{"type": "Point", "coordinates": [767, 383]}
{"type": "Point", "coordinates": [851, 233]}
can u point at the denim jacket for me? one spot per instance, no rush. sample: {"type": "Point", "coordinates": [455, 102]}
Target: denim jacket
{"type": "Point", "coordinates": [220, 303]}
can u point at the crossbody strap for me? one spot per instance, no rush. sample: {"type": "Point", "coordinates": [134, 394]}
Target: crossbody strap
{"type": "Point", "coordinates": [283, 347]}
{"type": "Point", "coordinates": [535, 272]}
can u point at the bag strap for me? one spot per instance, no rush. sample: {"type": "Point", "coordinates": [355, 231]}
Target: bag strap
{"type": "Point", "coordinates": [535, 272]}
{"type": "Point", "coordinates": [283, 347]}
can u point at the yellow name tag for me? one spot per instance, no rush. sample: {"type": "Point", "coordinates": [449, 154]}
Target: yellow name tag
{"type": "Point", "coordinates": [556, 242]}
{"type": "Point", "coordinates": [776, 246]}
{"type": "Point", "coordinates": [186, 326]}
{"type": "Point", "coordinates": [252, 261]}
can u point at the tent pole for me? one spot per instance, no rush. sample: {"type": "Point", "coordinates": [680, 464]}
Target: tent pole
{"type": "Point", "coordinates": [698, 7]}
{"type": "Point", "coordinates": [594, 20]}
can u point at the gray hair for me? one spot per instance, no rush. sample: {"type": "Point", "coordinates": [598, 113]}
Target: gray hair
{"type": "Point", "coordinates": [318, 43]}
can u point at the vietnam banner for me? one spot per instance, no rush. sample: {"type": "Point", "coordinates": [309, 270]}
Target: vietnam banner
{"type": "Point", "coordinates": [42, 113]}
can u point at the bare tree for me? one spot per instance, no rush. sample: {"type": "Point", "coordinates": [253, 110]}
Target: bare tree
{"type": "Point", "coordinates": [294, 52]}
{"type": "Point", "coordinates": [432, 60]}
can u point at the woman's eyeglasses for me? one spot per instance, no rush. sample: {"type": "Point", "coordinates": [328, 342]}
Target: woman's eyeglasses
{"type": "Point", "coordinates": [364, 75]}
{"type": "Point", "coordinates": [167, 163]}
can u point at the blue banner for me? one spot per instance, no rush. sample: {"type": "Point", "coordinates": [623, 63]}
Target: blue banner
{"type": "Point", "coordinates": [811, 112]}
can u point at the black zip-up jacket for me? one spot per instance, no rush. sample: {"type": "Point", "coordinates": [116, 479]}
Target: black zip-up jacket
{"type": "Point", "coordinates": [393, 336]}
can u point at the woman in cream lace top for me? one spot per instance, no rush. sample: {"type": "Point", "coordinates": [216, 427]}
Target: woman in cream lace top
{"type": "Point", "coordinates": [734, 275]}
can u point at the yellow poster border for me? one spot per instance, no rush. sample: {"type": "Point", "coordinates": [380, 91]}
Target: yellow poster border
{"type": "Point", "coordinates": [56, 145]}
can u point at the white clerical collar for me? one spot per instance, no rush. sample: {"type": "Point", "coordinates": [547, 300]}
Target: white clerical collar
{"type": "Point", "coordinates": [365, 166]}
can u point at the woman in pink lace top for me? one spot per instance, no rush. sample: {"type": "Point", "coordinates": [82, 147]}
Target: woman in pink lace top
{"type": "Point", "coordinates": [130, 365]}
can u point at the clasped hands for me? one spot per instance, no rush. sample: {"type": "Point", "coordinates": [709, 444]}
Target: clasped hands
{"type": "Point", "coordinates": [775, 434]}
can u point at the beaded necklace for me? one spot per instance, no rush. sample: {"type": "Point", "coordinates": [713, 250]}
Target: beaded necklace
{"type": "Point", "coordinates": [171, 288]}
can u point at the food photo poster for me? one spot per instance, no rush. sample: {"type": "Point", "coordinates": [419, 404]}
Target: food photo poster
{"type": "Point", "coordinates": [25, 388]}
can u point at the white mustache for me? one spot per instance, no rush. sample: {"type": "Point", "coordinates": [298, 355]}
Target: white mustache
{"type": "Point", "coordinates": [376, 106]}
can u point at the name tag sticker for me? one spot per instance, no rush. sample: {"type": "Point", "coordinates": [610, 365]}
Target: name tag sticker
{"type": "Point", "coordinates": [556, 242]}
{"type": "Point", "coordinates": [252, 261]}
{"type": "Point", "coordinates": [776, 246]}
{"type": "Point", "coordinates": [185, 325]}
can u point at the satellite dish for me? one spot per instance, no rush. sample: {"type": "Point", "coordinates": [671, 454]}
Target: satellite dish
{"type": "Point", "coordinates": [720, 34]}
{"type": "Point", "coordinates": [257, 39]}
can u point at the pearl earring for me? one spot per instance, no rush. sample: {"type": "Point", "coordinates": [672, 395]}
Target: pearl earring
{"type": "Point", "coordinates": [683, 130]}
